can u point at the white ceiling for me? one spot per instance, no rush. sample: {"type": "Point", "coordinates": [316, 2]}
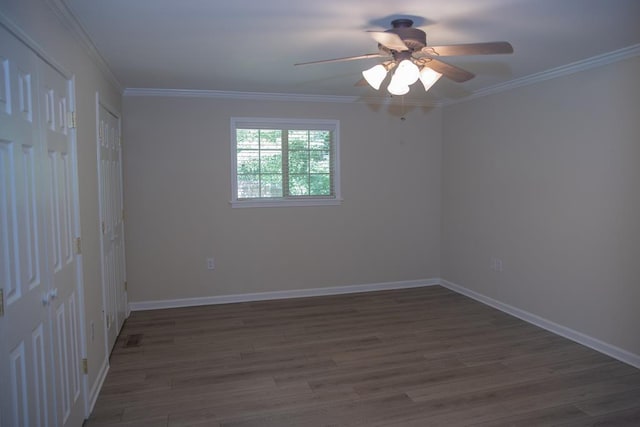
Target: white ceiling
{"type": "Point", "coordinates": [251, 45]}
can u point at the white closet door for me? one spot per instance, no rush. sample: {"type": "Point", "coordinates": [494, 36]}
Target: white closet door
{"type": "Point", "coordinates": [112, 221]}
{"type": "Point", "coordinates": [40, 334]}
{"type": "Point", "coordinates": [62, 251]}
{"type": "Point", "coordinates": [26, 371]}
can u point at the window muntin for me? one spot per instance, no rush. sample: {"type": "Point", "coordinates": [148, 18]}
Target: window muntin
{"type": "Point", "coordinates": [284, 162]}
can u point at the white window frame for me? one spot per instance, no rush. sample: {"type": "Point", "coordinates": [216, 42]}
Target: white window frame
{"type": "Point", "coordinates": [288, 124]}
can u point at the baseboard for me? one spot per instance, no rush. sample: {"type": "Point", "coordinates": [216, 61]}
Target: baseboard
{"type": "Point", "coordinates": [600, 346]}
{"type": "Point", "coordinates": [264, 296]}
{"type": "Point", "coordinates": [97, 385]}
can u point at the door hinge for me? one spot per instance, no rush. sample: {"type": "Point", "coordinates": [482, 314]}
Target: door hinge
{"type": "Point", "coordinates": [103, 227]}
{"type": "Point", "coordinates": [122, 214]}
{"type": "Point", "coordinates": [85, 366]}
{"type": "Point", "coordinates": [125, 286]}
{"type": "Point", "coordinates": [1, 302]}
{"type": "Point", "coordinates": [78, 246]}
{"type": "Point", "coordinates": [71, 119]}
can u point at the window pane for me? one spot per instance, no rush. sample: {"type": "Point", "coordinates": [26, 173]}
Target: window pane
{"type": "Point", "coordinates": [298, 162]}
{"type": "Point", "coordinates": [285, 161]}
{"type": "Point", "coordinates": [271, 186]}
{"type": "Point", "coordinates": [319, 139]}
{"type": "Point", "coordinates": [299, 185]}
{"type": "Point", "coordinates": [271, 162]}
{"type": "Point", "coordinates": [319, 162]}
{"type": "Point", "coordinates": [298, 139]}
{"type": "Point", "coordinates": [320, 185]}
{"type": "Point", "coordinates": [248, 162]}
{"type": "Point", "coordinates": [270, 139]}
{"type": "Point", "coordinates": [248, 186]}
{"type": "Point", "coordinates": [248, 138]}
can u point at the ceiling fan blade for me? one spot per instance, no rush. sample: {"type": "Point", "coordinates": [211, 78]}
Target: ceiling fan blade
{"type": "Point", "coordinates": [348, 58]}
{"type": "Point", "coordinates": [456, 74]}
{"type": "Point", "coordinates": [389, 40]}
{"type": "Point", "coordinates": [361, 82]}
{"type": "Point", "coordinates": [488, 48]}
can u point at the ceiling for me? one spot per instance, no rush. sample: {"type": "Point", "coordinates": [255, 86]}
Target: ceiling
{"type": "Point", "coordinates": [251, 45]}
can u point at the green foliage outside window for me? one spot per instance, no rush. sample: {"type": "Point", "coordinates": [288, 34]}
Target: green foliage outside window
{"type": "Point", "coordinates": [283, 163]}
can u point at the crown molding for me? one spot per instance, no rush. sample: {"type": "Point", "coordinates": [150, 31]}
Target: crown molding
{"type": "Point", "coordinates": [565, 70]}
{"type": "Point", "coordinates": [68, 19]}
{"type": "Point", "coordinates": [265, 96]}
{"type": "Point", "coordinates": [34, 46]}
{"type": "Point", "coordinates": [221, 94]}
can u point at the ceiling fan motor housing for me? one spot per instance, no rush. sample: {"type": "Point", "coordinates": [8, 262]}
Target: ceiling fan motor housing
{"type": "Point", "coordinates": [414, 38]}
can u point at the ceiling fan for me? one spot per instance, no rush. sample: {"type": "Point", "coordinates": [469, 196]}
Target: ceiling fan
{"type": "Point", "coordinates": [405, 48]}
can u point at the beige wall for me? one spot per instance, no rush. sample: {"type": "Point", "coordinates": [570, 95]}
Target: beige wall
{"type": "Point", "coordinates": [177, 193]}
{"type": "Point", "coordinates": [547, 178]}
{"type": "Point", "coordinates": [39, 22]}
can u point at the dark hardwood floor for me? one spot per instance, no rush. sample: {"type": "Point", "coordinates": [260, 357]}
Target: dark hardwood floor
{"type": "Point", "coordinates": [417, 357]}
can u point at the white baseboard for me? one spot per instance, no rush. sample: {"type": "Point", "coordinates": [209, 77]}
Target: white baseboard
{"type": "Point", "coordinates": [97, 386]}
{"type": "Point", "coordinates": [603, 347]}
{"type": "Point", "coordinates": [264, 296]}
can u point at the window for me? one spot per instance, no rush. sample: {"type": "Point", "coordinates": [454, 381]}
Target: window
{"type": "Point", "coordinates": [284, 162]}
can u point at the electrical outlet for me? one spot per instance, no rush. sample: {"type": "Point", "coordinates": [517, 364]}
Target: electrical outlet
{"type": "Point", "coordinates": [210, 264]}
{"type": "Point", "coordinates": [495, 264]}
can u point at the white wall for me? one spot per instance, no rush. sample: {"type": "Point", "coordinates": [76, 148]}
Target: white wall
{"type": "Point", "coordinates": [178, 188]}
{"type": "Point", "coordinates": [39, 22]}
{"type": "Point", "coordinates": [547, 178]}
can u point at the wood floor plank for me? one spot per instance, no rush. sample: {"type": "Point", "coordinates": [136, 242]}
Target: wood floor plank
{"type": "Point", "coordinates": [424, 356]}
{"type": "Point", "coordinates": [610, 403]}
{"type": "Point", "coordinates": [556, 415]}
{"type": "Point", "coordinates": [493, 402]}
{"type": "Point", "coordinates": [359, 412]}
{"type": "Point", "coordinates": [626, 418]}
{"type": "Point", "coordinates": [160, 421]}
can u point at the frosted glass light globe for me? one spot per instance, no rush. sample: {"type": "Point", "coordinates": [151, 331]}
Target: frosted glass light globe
{"type": "Point", "coordinates": [397, 86]}
{"type": "Point", "coordinates": [375, 75]}
{"type": "Point", "coordinates": [408, 72]}
{"type": "Point", "coordinates": [429, 77]}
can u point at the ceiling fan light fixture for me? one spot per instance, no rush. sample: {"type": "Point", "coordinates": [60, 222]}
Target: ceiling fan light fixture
{"type": "Point", "coordinates": [429, 77]}
{"type": "Point", "coordinates": [406, 47]}
{"type": "Point", "coordinates": [398, 90]}
{"type": "Point", "coordinates": [375, 75]}
{"type": "Point", "coordinates": [407, 72]}
{"type": "Point", "coordinates": [397, 86]}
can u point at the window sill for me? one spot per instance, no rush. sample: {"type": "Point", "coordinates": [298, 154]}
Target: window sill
{"type": "Point", "coordinates": [278, 203]}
